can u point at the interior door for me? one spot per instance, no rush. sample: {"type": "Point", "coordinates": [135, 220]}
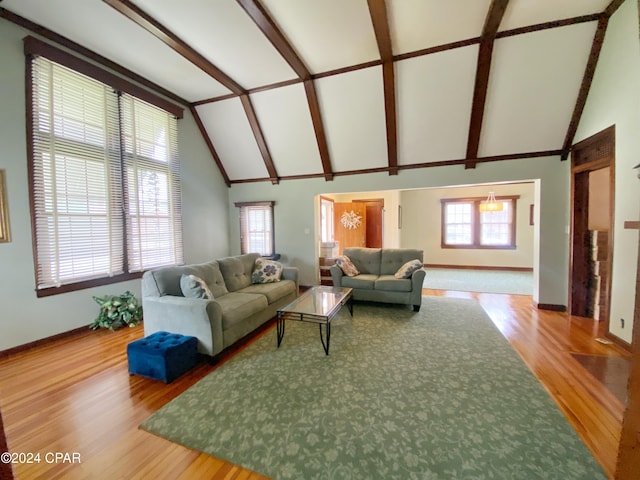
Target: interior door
{"type": "Point", "coordinates": [350, 225]}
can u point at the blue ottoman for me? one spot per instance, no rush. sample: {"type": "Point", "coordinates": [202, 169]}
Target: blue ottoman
{"type": "Point", "coordinates": [162, 356]}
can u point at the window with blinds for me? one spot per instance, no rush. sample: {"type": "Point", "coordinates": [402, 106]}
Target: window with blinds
{"type": "Point", "coordinates": [256, 227]}
{"type": "Point", "coordinates": [104, 179]}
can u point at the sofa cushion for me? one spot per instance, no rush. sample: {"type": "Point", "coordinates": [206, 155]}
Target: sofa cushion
{"type": "Point", "coordinates": [391, 259]}
{"type": "Point", "coordinates": [167, 279]}
{"type": "Point", "coordinates": [237, 271]}
{"type": "Point", "coordinates": [366, 260]}
{"type": "Point", "coordinates": [346, 265]}
{"type": "Point", "coordinates": [266, 271]}
{"type": "Point", "coordinates": [390, 283]}
{"type": "Point", "coordinates": [237, 306]}
{"type": "Point", "coordinates": [364, 281]}
{"type": "Point", "coordinates": [195, 287]}
{"type": "Point", "coordinates": [273, 291]}
{"type": "Point", "coordinates": [406, 270]}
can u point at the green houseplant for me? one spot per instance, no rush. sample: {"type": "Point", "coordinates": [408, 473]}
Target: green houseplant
{"type": "Point", "coordinates": [116, 311]}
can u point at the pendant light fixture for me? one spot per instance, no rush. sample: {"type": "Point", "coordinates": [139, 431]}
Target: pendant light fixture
{"type": "Point", "coordinates": [491, 204]}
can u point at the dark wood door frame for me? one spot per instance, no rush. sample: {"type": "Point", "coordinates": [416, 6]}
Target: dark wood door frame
{"type": "Point", "coordinates": [6, 469]}
{"type": "Point", "coordinates": [593, 153]}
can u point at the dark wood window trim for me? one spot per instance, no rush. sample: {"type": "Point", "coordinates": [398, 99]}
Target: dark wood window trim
{"type": "Point", "coordinates": [35, 47]}
{"type": "Point", "coordinates": [268, 203]}
{"type": "Point", "coordinates": [475, 223]}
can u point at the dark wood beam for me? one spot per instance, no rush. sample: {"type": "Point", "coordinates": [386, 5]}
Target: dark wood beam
{"type": "Point", "coordinates": [90, 54]}
{"type": "Point", "coordinates": [259, 136]}
{"type": "Point", "coordinates": [612, 7]}
{"type": "Point", "coordinates": [267, 25]}
{"type": "Point", "coordinates": [150, 24]}
{"type": "Point", "coordinates": [547, 25]}
{"type": "Point", "coordinates": [207, 139]}
{"type": "Point", "coordinates": [583, 93]}
{"type": "Point", "coordinates": [154, 27]}
{"type": "Point", "coordinates": [483, 68]}
{"type": "Point", "coordinates": [379, 19]}
{"type": "Point", "coordinates": [321, 139]}
{"type": "Point", "coordinates": [270, 30]}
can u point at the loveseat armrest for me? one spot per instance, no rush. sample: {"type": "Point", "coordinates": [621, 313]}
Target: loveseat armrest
{"type": "Point", "coordinates": [291, 273]}
{"type": "Point", "coordinates": [195, 317]}
{"type": "Point", "coordinates": [336, 275]}
{"type": "Point", "coordinates": [417, 281]}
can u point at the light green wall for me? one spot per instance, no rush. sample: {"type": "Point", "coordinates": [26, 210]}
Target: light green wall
{"type": "Point", "coordinates": [424, 205]}
{"type": "Point", "coordinates": [294, 211]}
{"type": "Point", "coordinates": [614, 99]}
{"type": "Point", "coordinates": [24, 317]}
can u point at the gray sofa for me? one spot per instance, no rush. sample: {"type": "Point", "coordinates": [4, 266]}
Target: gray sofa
{"type": "Point", "coordinates": [238, 306]}
{"type": "Point", "coordinates": [376, 281]}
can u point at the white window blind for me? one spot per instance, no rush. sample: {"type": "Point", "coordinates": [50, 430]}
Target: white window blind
{"type": "Point", "coordinates": [98, 163]}
{"type": "Point", "coordinates": [152, 193]}
{"type": "Point", "coordinates": [256, 228]}
{"type": "Point", "coordinates": [78, 219]}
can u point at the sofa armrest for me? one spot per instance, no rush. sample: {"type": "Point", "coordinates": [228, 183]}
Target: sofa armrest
{"type": "Point", "coordinates": [336, 275]}
{"type": "Point", "coordinates": [417, 280]}
{"type": "Point", "coordinates": [195, 317]}
{"type": "Point", "coordinates": [291, 273]}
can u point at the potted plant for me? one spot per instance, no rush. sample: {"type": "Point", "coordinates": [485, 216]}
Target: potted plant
{"type": "Point", "coordinates": [116, 311]}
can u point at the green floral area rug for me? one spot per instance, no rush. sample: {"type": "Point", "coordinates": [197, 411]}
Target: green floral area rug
{"type": "Point", "coordinates": [438, 394]}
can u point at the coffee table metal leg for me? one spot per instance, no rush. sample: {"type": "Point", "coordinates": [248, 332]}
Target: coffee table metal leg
{"type": "Point", "coordinates": [328, 335]}
{"type": "Point", "coordinates": [280, 329]}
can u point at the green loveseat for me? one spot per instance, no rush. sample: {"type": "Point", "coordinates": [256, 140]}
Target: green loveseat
{"type": "Point", "coordinates": [238, 306]}
{"type": "Point", "coordinates": [376, 281]}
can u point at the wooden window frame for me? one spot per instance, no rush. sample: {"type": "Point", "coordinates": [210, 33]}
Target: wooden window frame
{"type": "Point", "coordinates": [476, 224]}
{"type": "Point", "coordinates": [270, 204]}
{"type": "Point", "coordinates": [34, 47]}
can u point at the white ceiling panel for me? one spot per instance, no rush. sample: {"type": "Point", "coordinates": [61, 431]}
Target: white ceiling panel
{"type": "Point", "coordinates": [420, 24]}
{"type": "Point", "coordinates": [352, 106]}
{"type": "Point", "coordinates": [327, 34]}
{"type": "Point", "coordinates": [150, 58]}
{"type": "Point", "coordinates": [227, 124]}
{"type": "Point", "coordinates": [522, 13]}
{"type": "Point", "coordinates": [434, 97]}
{"type": "Point", "coordinates": [286, 124]}
{"type": "Point", "coordinates": [533, 87]}
{"type": "Point", "coordinates": [240, 49]}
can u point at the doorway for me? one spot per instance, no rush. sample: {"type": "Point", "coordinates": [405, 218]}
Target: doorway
{"type": "Point", "coordinates": [358, 223]}
{"type": "Point", "coordinates": [592, 206]}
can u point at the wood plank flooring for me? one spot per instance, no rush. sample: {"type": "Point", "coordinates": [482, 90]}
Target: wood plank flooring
{"type": "Point", "coordinates": [75, 396]}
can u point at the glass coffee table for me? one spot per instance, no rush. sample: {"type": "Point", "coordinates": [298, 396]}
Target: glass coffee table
{"type": "Point", "coordinates": [316, 305]}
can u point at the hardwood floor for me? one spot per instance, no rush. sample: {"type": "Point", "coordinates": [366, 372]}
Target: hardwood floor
{"type": "Point", "coordinates": [75, 396]}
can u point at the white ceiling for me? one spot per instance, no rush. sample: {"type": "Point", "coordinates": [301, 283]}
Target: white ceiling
{"type": "Point", "coordinates": [534, 78]}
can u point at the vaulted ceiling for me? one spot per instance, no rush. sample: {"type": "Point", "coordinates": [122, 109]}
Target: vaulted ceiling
{"type": "Point", "coordinates": [287, 89]}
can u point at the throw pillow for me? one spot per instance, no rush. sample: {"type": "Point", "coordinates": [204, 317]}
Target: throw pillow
{"type": "Point", "coordinates": [347, 266]}
{"type": "Point", "coordinates": [266, 271]}
{"type": "Point", "coordinates": [195, 287]}
{"type": "Point", "coordinates": [406, 270]}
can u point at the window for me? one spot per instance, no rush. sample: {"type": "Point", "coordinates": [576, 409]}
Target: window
{"type": "Point", "coordinates": [326, 219]}
{"type": "Point", "coordinates": [465, 226]}
{"type": "Point", "coordinates": [104, 178]}
{"type": "Point", "coordinates": [256, 228]}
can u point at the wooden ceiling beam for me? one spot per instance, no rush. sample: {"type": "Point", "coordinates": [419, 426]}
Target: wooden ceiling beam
{"type": "Point", "coordinates": [583, 93]}
{"type": "Point", "coordinates": [587, 78]}
{"type": "Point", "coordinates": [379, 19]}
{"type": "Point", "coordinates": [257, 133]}
{"type": "Point", "coordinates": [265, 23]}
{"type": "Point", "coordinates": [268, 27]}
{"type": "Point", "coordinates": [318, 126]}
{"type": "Point", "coordinates": [151, 25]}
{"type": "Point", "coordinates": [483, 68]}
{"type": "Point", "coordinates": [207, 140]}
{"type": "Point", "coordinates": [146, 21]}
